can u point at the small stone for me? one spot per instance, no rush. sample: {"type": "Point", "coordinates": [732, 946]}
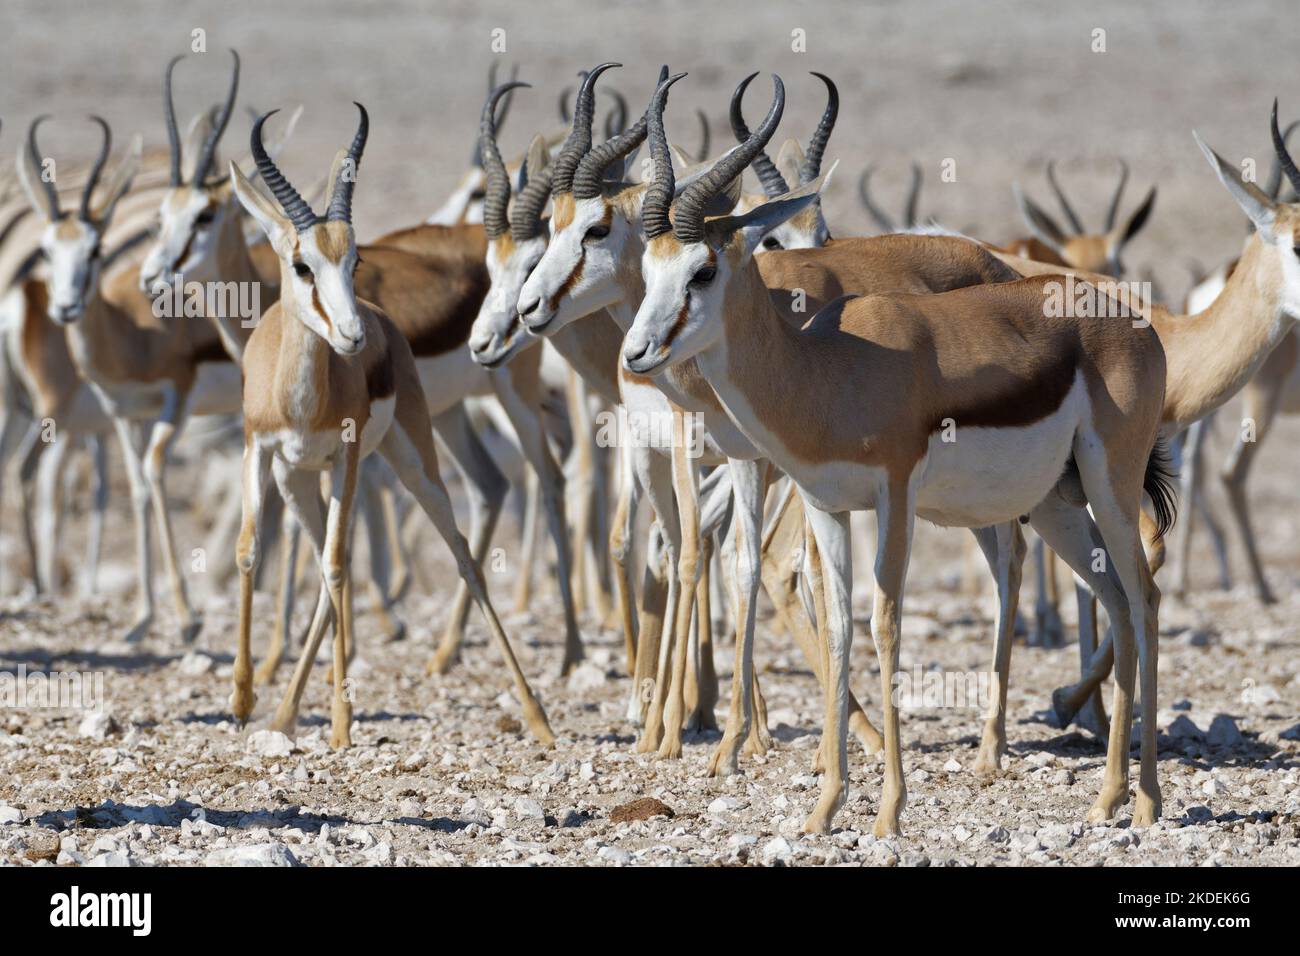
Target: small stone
{"type": "Point", "coordinates": [725, 805]}
{"type": "Point", "coordinates": [615, 855]}
{"type": "Point", "coordinates": [586, 773]}
{"type": "Point", "coordinates": [961, 834]}
{"type": "Point", "coordinates": [259, 854]}
{"type": "Point", "coordinates": [111, 859]}
{"type": "Point", "coordinates": [586, 677]}
{"type": "Point", "coordinates": [1223, 732]}
{"type": "Point", "coordinates": [10, 815]}
{"type": "Point", "coordinates": [952, 766]}
{"type": "Point", "coordinates": [507, 724]}
{"type": "Point", "coordinates": [196, 663]}
{"type": "Point", "coordinates": [996, 834]}
{"type": "Point", "coordinates": [380, 853]}
{"type": "Point", "coordinates": [1182, 728]}
{"type": "Point", "coordinates": [269, 743]}
{"type": "Point", "coordinates": [1214, 787]}
{"type": "Point", "coordinates": [42, 845]}
{"type": "Point", "coordinates": [642, 809]}
{"type": "Point", "coordinates": [97, 725]}
{"type": "Point", "coordinates": [777, 849]}
{"type": "Point", "coordinates": [526, 808]}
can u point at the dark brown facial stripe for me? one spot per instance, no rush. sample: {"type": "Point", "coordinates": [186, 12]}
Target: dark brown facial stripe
{"type": "Point", "coordinates": [320, 309]}
{"type": "Point", "coordinates": [679, 323]}
{"type": "Point", "coordinates": [574, 276]}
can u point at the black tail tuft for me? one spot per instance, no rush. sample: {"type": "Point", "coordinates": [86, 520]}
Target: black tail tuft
{"type": "Point", "coordinates": [1159, 485]}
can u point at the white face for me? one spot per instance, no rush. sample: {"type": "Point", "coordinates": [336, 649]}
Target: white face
{"type": "Point", "coordinates": [681, 314]}
{"type": "Point", "coordinates": [497, 333]}
{"type": "Point", "coordinates": [73, 254]}
{"type": "Point", "coordinates": [808, 231]}
{"type": "Point", "coordinates": [320, 274]}
{"type": "Point", "coordinates": [1286, 245]}
{"type": "Point", "coordinates": [189, 224]}
{"type": "Point", "coordinates": [579, 272]}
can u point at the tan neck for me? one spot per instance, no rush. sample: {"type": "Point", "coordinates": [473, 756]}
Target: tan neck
{"type": "Point", "coordinates": [302, 367]}
{"type": "Point", "coordinates": [235, 264]}
{"type": "Point", "coordinates": [1212, 355]}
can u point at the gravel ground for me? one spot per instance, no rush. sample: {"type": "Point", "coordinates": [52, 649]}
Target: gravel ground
{"type": "Point", "coordinates": [440, 773]}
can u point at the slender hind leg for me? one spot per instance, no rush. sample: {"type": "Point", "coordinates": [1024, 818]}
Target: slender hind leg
{"type": "Point", "coordinates": [248, 555]}
{"type": "Point", "coordinates": [413, 457]}
{"type": "Point", "coordinates": [1004, 550]}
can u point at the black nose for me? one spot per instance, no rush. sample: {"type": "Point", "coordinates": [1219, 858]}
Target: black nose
{"type": "Point", "coordinates": [629, 357]}
{"type": "Point", "coordinates": [531, 307]}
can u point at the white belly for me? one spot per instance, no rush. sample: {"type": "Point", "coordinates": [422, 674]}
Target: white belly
{"type": "Point", "coordinates": [318, 450]}
{"type": "Point", "coordinates": [449, 378]}
{"type": "Point", "coordinates": [989, 475]}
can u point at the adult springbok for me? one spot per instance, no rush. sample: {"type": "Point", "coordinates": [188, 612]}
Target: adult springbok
{"type": "Point", "coordinates": [328, 379]}
{"type": "Point", "coordinates": [1049, 411]}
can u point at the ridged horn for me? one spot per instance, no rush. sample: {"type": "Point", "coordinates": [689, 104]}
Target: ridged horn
{"type": "Point", "coordinates": [659, 194]}
{"type": "Point", "coordinates": [496, 193]}
{"type": "Point", "coordinates": [340, 207]}
{"type": "Point", "coordinates": [769, 176]}
{"type": "Point", "coordinates": [589, 176]}
{"type": "Point", "coordinates": [51, 194]}
{"type": "Point", "coordinates": [1075, 224]}
{"type": "Point", "coordinates": [691, 205]}
{"type": "Point", "coordinates": [1283, 155]}
{"type": "Point", "coordinates": [93, 180]}
{"type": "Point", "coordinates": [579, 139]}
{"type": "Point", "coordinates": [204, 164]}
{"type": "Point", "coordinates": [169, 114]}
{"type": "Point", "coordinates": [294, 206]}
{"type": "Point", "coordinates": [812, 164]}
{"type": "Point", "coordinates": [1113, 211]}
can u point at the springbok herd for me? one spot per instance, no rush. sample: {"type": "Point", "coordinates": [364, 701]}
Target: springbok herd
{"type": "Point", "coordinates": [767, 376]}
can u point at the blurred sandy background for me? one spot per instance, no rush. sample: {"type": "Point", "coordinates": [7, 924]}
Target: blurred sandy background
{"type": "Point", "coordinates": [999, 86]}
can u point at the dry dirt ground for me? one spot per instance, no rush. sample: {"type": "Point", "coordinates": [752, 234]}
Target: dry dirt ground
{"type": "Point", "coordinates": [439, 773]}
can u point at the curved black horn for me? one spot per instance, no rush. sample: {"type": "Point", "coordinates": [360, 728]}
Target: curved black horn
{"type": "Point", "coordinates": [526, 214]}
{"type": "Point", "coordinates": [209, 150]}
{"type": "Point", "coordinates": [864, 194]}
{"type": "Point", "coordinates": [1075, 224]}
{"type": "Point", "coordinates": [93, 180]}
{"type": "Point", "coordinates": [812, 163]}
{"type": "Point", "coordinates": [476, 157]}
{"type": "Point", "coordinates": [913, 197]}
{"type": "Point", "coordinates": [340, 207]}
{"type": "Point", "coordinates": [1113, 211]}
{"type": "Point", "coordinates": [169, 114]}
{"type": "Point", "coordinates": [496, 194]}
{"type": "Point", "coordinates": [51, 194]}
{"type": "Point", "coordinates": [589, 175]}
{"type": "Point", "coordinates": [706, 136]}
{"type": "Point", "coordinates": [659, 194]}
{"type": "Point", "coordinates": [1283, 156]}
{"type": "Point", "coordinates": [773, 182]}
{"type": "Point", "coordinates": [1274, 184]}
{"type": "Point", "coordinates": [579, 140]}
{"type": "Point", "coordinates": [691, 205]}
{"type": "Point", "coordinates": [616, 118]}
{"type": "Point", "coordinates": [294, 206]}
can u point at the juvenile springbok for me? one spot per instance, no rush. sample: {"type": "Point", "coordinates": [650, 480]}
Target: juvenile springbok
{"type": "Point", "coordinates": [1051, 412]}
{"type": "Point", "coordinates": [328, 379]}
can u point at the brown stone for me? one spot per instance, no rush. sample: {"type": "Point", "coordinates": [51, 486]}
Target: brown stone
{"type": "Point", "coordinates": [642, 809]}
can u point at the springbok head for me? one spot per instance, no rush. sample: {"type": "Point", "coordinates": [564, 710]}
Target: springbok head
{"type": "Point", "coordinates": [689, 263]}
{"type": "Point", "coordinates": [596, 240]}
{"type": "Point", "coordinates": [808, 229]}
{"type": "Point", "coordinates": [318, 254]}
{"type": "Point", "coordinates": [73, 243]}
{"type": "Point", "coordinates": [196, 203]}
{"type": "Point", "coordinates": [1275, 223]}
{"type": "Point", "coordinates": [1091, 252]}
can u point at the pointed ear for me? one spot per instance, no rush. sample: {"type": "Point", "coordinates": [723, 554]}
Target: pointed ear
{"type": "Point", "coordinates": [788, 161]}
{"type": "Point", "coordinates": [765, 217]}
{"type": "Point", "coordinates": [1042, 225]}
{"type": "Point", "coordinates": [1259, 209]}
{"type": "Point", "coordinates": [535, 160]}
{"type": "Point", "coordinates": [119, 185]}
{"type": "Point", "coordinates": [681, 158]}
{"type": "Point", "coordinates": [336, 169]}
{"type": "Point", "coordinates": [261, 208]}
{"type": "Point", "coordinates": [29, 175]}
{"type": "Point", "coordinates": [1136, 221]}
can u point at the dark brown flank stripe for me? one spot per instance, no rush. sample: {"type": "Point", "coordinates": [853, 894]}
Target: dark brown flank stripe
{"type": "Point", "coordinates": [380, 381]}
{"type": "Point", "coordinates": [451, 331]}
{"type": "Point", "coordinates": [1028, 402]}
{"type": "Point", "coordinates": [211, 350]}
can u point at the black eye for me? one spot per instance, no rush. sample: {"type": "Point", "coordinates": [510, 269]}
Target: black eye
{"type": "Point", "coordinates": [704, 276]}
{"type": "Point", "coordinates": [477, 195]}
{"type": "Point", "coordinates": [598, 231]}
{"type": "Point", "coordinates": [771, 242]}
{"type": "Point", "coordinates": [1296, 250]}
{"type": "Point", "coordinates": [206, 218]}
{"type": "Point", "coordinates": [303, 270]}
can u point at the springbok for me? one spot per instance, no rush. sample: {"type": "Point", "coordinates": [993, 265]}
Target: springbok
{"type": "Point", "coordinates": [1054, 411]}
{"type": "Point", "coordinates": [328, 379]}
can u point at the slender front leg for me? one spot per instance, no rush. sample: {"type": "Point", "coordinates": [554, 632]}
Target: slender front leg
{"type": "Point", "coordinates": [132, 439]}
{"type": "Point", "coordinates": [290, 537]}
{"type": "Point", "coordinates": [685, 476]}
{"type": "Point", "coordinates": [248, 554]}
{"type": "Point", "coordinates": [1004, 550]}
{"type": "Point", "coordinates": [528, 543]}
{"type": "Point", "coordinates": [165, 431]}
{"type": "Point", "coordinates": [832, 535]}
{"type": "Point", "coordinates": [94, 543]}
{"type": "Point", "coordinates": [620, 542]}
{"type": "Point", "coordinates": [371, 499]}
{"type": "Point", "coordinates": [343, 483]}
{"type": "Point", "coordinates": [49, 512]}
